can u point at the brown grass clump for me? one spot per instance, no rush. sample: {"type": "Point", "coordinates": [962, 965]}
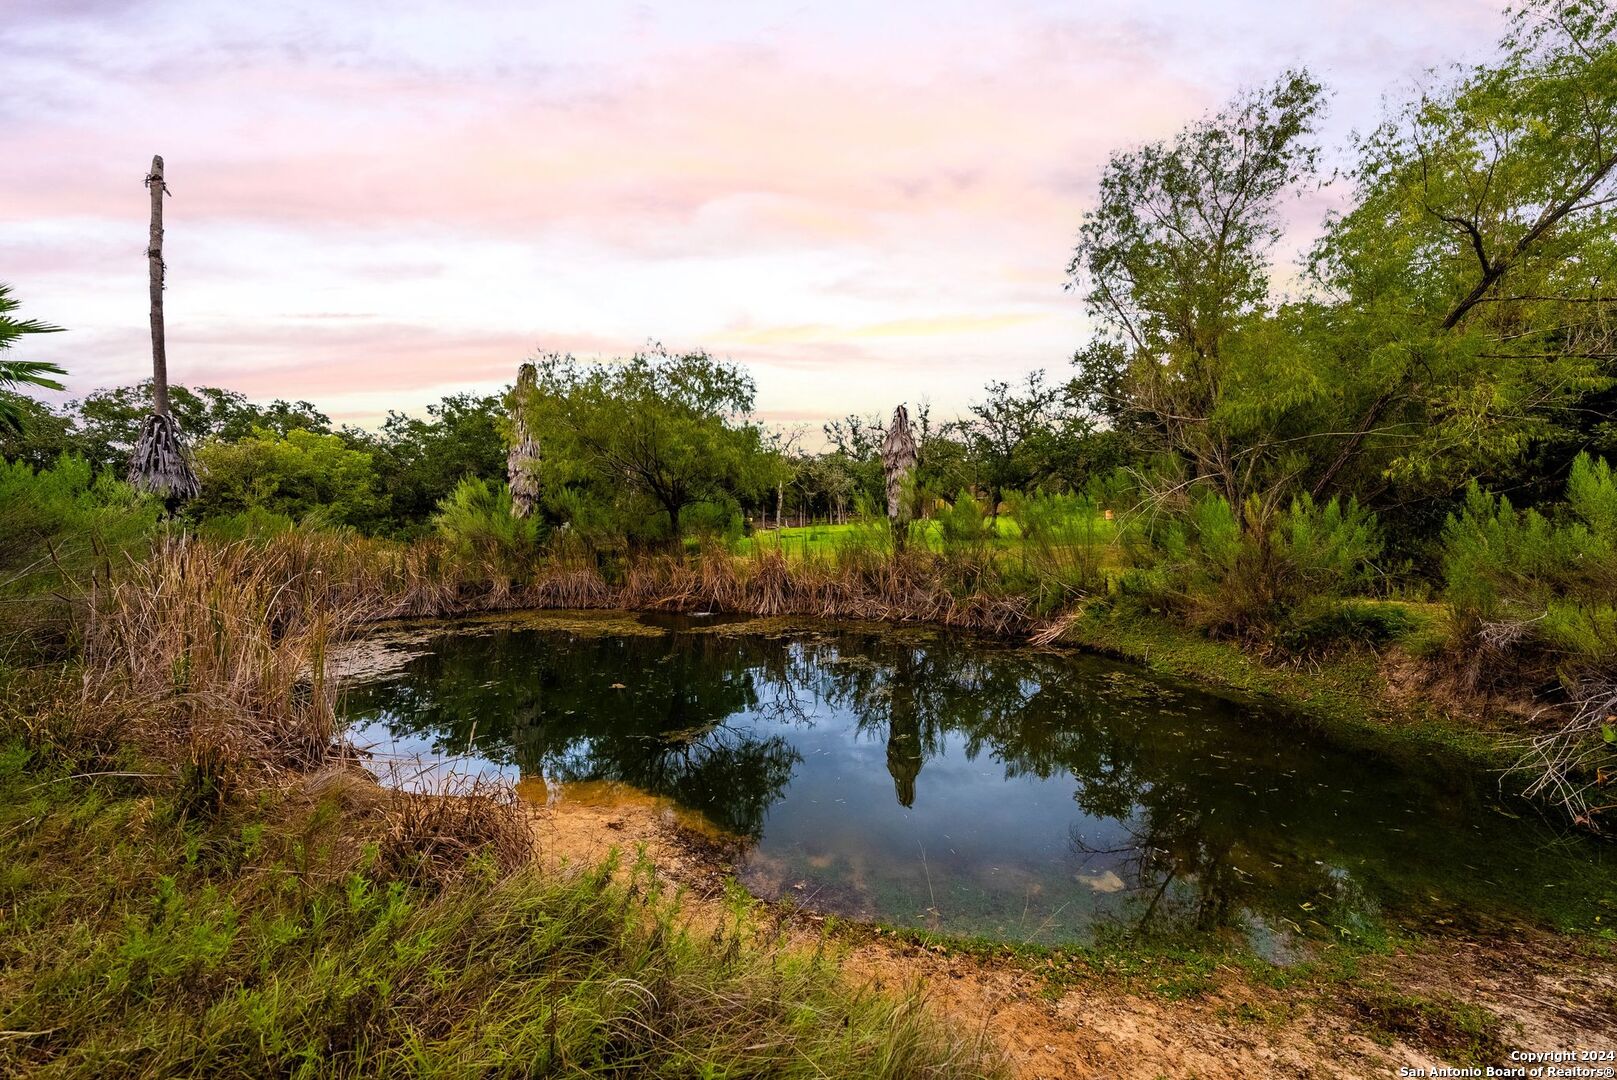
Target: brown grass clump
{"type": "Point", "coordinates": [216, 653]}
{"type": "Point", "coordinates": [433, 837]}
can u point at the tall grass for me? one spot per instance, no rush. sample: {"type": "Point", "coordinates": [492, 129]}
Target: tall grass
{"type": "Point", "coordinates": [275, 939]}
{"type": "Point", "coordinates": [198, 882]}
{"type": "Point", "coordinates": [220, 649]}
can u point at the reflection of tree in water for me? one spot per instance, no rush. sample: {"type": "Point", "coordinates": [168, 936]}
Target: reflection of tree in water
{"type": "Point", "coordinates": [1205, 813]}
{"type": "Point", "coordinates": [551, 708]}
{"type": "Point", "coordinates": [1191, 840]}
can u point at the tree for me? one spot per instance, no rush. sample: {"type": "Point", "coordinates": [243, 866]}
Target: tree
{"type": "Point", "coordinates": [643, 440]}
{"type": "Point", "coordinates": [1173, 263]}
{"type": "Point", "coordinates": [302, 475]}
{"type": "Point", "coordinates": [422, 460]}
{"type": "Point", "coordinates": [522, 461]}
{"type": "Point", "coordinates": [898, 470]}
{"type": "Point", "coordinates": [110, 421]}
{"type": "Point", "coordinates": [857, 440]}
{"type": "Point", "coordinates": [15, 373]}
{"type": "Point", "coordinates": [1473, 281]}
{"type": "Point", "coordinates": [1020, 438]}
{"type": "Point", "coordinates": [160, 463]}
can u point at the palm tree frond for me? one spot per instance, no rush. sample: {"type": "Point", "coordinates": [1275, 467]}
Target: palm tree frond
{"type": "Point", "coordinates": [30, 373]}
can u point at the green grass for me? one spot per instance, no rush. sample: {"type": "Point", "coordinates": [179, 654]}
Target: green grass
{"type": "Point", "coordinates": [266, 941]}
{"type": "Point", "coordinates": [823, 541]}
{"type": "Point", "coordinates": [1462, 1032]}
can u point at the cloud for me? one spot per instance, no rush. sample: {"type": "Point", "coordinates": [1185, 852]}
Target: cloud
{"type": "Point", "coordinates": [856, 202]}
{"type": "Point", "coordinates": [936, 326]}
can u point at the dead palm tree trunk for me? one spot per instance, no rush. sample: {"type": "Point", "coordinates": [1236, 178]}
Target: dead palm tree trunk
{"type": "Point", "coordinates": [898, 466]}
{"type": "Point", "coordinates": [160, 463]}
{"type": "Point", "coordinates": [522, 459]}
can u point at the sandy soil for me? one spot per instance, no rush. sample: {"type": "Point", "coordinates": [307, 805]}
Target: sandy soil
{"type": "Point", "coordinates": [1085, 1024]}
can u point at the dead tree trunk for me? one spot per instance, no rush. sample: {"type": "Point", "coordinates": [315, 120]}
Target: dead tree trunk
{"type": "Point", "coordinates": [154, 280]}
{"type": "Point", "coordinates": [522, 459]}
{"type": "Point", "coordinates": [160, 463]}
{"type": "Point", "coordinates": [898, 467]}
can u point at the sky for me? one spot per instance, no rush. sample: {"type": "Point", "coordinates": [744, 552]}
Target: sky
{"type": "Point", "coordinates": [378, 202]}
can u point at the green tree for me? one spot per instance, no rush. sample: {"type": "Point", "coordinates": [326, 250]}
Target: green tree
{"type": "Point", "coordinates": [641, 441]}
{"type": "Point", "coordinates": [1472, 282]}
{"type": "Point", "coordinates": [304, 475]}
{"type": "Point", "coordinates": [422, 460]}
{"type": "Point", "coordinates": [1023, 437]}
{"type": "Point", "coordinates": [107, 422]}
{"type": "Point", "coordinates": [1173, 263]}
{"type": "Point", "coordinates": [15, 373]}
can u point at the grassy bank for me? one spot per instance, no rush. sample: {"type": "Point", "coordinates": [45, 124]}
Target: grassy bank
{"type": "Point", "coordinates": [198, 881]}
{"type": "Point", "coordinates": [276, 937]}
{"type": "Point", "coordinates": [1352, 693]}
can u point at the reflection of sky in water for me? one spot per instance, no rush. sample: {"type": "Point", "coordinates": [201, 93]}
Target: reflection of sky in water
{"type": "Point", "coordinates": [925, 781]}
{"type": "Point", "coordinates": [417, 763]}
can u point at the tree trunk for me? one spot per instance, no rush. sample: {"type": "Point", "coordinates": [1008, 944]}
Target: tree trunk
{"type": "Point", "coordinates": [160, 463]}
{"type": "Point", "coordinates": [522, 458]}
{"type": "Point", "coordinates": [898, 463]}
{"type": "Point", "coordinates": [154, 277]}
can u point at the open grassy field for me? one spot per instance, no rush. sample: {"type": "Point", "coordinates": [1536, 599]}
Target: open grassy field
{"type": "Point", "coordinates": [801, 541]}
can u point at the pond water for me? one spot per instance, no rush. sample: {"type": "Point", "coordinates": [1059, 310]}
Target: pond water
{"type": "Point", "coordinates": [922, 778]}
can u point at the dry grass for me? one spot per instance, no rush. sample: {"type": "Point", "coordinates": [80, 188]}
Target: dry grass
{"type": "Point", "coordinates": [308, 920]}
{"type": "Point", "coordinates": [216, 653]}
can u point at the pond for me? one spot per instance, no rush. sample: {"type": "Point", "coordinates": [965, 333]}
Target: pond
{"type": "Point", "coordinates": [927, 779]}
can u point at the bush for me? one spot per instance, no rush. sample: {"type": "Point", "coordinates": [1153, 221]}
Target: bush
{"type": "Point", "coordinates": [1321, 627]}
{"type": "Point", "coordinates": [58, 526]}
{"type": "Point", "coordinates": [1534, 597]}
{"type": "Point", "coordinates": [476, 522]}
{"type": "Point", "coordinates": [964, 532]}
{"type": "Point", "coordinates": [708, 521]}
{"type": "Point", "coordinates": [1059, 543]}
{"type": "Point", "coordinates": [311, 478]}
{"type": "Point", "coordinates": [1243, 575]}
{"type": "Point", "coordinates": [1521, 583]}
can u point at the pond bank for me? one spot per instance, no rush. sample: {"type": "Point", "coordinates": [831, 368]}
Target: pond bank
{"type": "Point", "coordinates": [1156, 1009]}
{"type": "Point", "coordinates": [1435, 992]}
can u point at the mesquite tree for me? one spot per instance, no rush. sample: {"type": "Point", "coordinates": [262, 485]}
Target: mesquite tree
{"type": "Point", "coordinates": [160, 463]}
{"type": "Point", "coordinates": [522, 460]}
{"type": "Point", "coordinates": [898, 467]}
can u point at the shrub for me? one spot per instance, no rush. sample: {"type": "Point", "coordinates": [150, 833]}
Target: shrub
{"type": "Point", "coordinates": [57, 527]}
{"type": "Point", "coordinates": [708, 521]}
{"type": "Point", "coordinates": [1519, 582]}
{"type": "Point", "coordinates": [476, 522]}
{"type": "Point", "coordinates": [1536, 597]}
{"type": "Point", "coordinates": [304, 475]}
{"type": "Point", "coordinates": [1244, 575]}
{"type": "Point", "coordinates": [964, 532]}
{"type": "Point", "coordinates": [1321, 627]}
{"type": "Point", "coordinates": [1059, 543]}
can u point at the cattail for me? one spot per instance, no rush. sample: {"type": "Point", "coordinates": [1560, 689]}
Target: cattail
{"type": "Point", "coordinates": [160, 463]}
{"type": "Point", "coordinates": [522, 460]}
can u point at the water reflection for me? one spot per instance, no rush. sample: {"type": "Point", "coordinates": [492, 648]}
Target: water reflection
{"type": "Point", "coordinates": [918, 778]}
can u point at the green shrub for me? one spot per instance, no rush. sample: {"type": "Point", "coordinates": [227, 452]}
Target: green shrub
{"type": "Point", "coordinates": [1243, 575]}
{"type": "Point", "coordinates": [1322, 626]}
{"type": "Point", "coordinates": [1059, 541]}
{"type": "Point", "coordinates": [59, 526]}
{"type": "Point", "coordinates": [312, 478]}
{"type": "Point", "coordinates": [964, 532]}
{"type": "Point", "coordinates": [707, 521]}
{"type": "Point", "coordinates": [476, 522]}
{"type": "Point", "coordinates": [1521, 582]}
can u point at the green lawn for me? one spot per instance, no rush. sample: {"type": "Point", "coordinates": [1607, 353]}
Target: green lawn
{"type": "Point", "coordinates": [823, 540]}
